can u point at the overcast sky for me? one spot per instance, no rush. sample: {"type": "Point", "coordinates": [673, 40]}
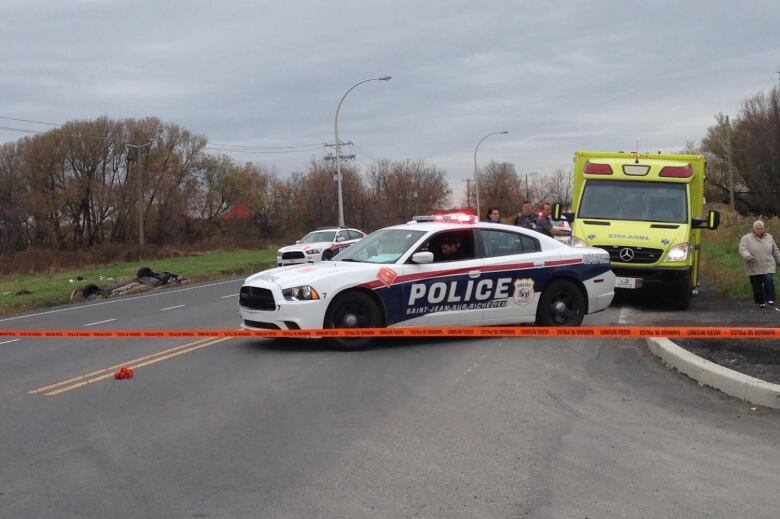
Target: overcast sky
{"type": "Point", "coordinates": [560, 76]}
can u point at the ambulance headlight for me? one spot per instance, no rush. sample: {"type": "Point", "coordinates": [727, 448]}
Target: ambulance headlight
{"type": "Point", "coordinates": [578, 242]}
{"type": "Point", "coordinates": [304, 293]}
{"type": "Point", "coordinates": [678, 253]}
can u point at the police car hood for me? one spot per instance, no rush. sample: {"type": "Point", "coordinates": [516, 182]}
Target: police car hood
{"type": "Point", "coordinates": [303, 247]}
{"type": "Point", "coordinates": [298, 275]}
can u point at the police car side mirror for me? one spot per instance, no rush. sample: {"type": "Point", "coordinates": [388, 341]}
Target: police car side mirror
{"type": "Point", "coordinates": [711, 223]}
{"type": "Point", "coordinates": [340, 238]}
{"type": "Point", "coordinates": [297, 242]}
{"type": "Point", "coordinates": [422, 257]}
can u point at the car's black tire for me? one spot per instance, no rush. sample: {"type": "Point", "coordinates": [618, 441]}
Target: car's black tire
{"type": "Point", "coordinates": [144, 272]}
{"type": "Point", "coordinates": [90, 290]}
{"type": "Point", "coordinates": [327, 255]}
{"type": "Point", "coordinates": [353, 309]}
{"type": "Point", "coordinates": [561, 304]}
{"type": "Point", "coordinates": [682, 298]}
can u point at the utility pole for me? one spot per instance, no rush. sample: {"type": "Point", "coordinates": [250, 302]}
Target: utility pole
{"type": "Point", "coordinates": [728, 160]}
{"type": "Point", "coordinates": [468, 182]}
{"type": "Point", "coordinates": [527, 196]}
{"type": "Point", "coordinates": [132, 155]}
{"type": "Point", "coordinates": [331, 156]}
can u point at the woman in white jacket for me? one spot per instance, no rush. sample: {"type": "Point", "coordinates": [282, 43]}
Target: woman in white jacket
{"type": "Point", "coordinates": [761, 256]}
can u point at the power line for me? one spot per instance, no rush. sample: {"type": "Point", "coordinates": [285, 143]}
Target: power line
{"type": "Point", "coordinates": [260, 152]}
{"type": "Point", "coordinates": [232, 148]}
{"type": "Point", "coordinates": [27, 121]}
{"type": "Point", "coordinates": [361, 152]}
{"type": "Point", "coordinates": [251, 147]}
{"type": "Point", "coordinates": [10, 129]}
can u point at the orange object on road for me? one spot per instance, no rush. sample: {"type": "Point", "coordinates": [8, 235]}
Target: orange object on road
{"type": "Point", "coordinates": [123, 373]}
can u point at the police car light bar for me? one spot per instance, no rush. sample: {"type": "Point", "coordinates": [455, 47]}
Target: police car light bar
{"type": "Point", "coordinates": [447, 218]}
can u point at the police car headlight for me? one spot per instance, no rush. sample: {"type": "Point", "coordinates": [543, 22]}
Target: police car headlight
{"type": "Point", "coordinates": [678, 253]}
{"type": "Point", "coordinates": [578, 242]}
{"type": "Point", "coordinates": [313, 251]}
{"type": "Point", "coordinates": [304, 293]}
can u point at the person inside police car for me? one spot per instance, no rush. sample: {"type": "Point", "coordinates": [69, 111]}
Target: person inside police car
{"type": "Point", "coordinates": [761, 256]}
{"type": "Point", "coordinates": [449, 249]}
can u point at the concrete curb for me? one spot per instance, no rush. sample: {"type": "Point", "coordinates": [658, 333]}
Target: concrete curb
{"type": "Point", "coordinates": [733, 383]}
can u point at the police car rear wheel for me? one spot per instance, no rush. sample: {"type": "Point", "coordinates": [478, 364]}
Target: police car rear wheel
{"type": "Point", "coordinates": [353, 310]}
{"type": "Point", "coordinates": [561, 304]}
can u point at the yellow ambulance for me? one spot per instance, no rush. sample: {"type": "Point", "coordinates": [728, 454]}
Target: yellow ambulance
{"type": "Point", "coordinates": [646, 211]}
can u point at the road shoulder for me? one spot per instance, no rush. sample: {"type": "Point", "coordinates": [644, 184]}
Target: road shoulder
{"type": "Point", "coordinates": [730, 382]}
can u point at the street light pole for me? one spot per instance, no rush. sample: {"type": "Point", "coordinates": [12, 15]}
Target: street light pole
{"type": "Point", "coordinates": [140, 194]}
{"type": "Point", "coordinates": [476, 174]}
{"type": "Point", "coordinates": [338, 143]}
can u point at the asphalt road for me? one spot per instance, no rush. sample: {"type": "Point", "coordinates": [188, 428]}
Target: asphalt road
{"type": "Point", "coordinates": [425, 428]}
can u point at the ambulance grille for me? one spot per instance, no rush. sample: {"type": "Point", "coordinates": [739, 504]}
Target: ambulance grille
{"type": "Point", "coordinates": [623, 254]}
{"type": "Point", "coordinates": [256, 298]}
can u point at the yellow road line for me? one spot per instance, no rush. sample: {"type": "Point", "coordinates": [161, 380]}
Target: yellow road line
{"type": "Point", "coordinates": [102, 374]}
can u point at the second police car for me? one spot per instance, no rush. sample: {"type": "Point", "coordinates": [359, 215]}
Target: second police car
{"type": "Point", "coordinates": [452, 271]}
{"type": "Point", "coordinates": [319, 245]}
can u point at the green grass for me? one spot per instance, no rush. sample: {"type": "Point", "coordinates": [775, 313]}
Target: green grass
{"type": "Point", "coordinates": [55, 288]}
{"type": "Point", "coordinates": [722, 266]}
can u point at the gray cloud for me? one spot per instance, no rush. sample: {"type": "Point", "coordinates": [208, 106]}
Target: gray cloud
{"type": "Point", "coordinates": [560, 76]}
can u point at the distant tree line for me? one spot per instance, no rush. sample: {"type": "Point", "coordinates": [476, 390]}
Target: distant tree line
{"type": "Point", "coordinates": [86, 183]}
{"type": "Point", "coordinates": [752, 141]}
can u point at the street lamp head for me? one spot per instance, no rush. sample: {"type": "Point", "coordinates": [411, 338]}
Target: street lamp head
{"type": "Point", "coordinates": [385, 78]}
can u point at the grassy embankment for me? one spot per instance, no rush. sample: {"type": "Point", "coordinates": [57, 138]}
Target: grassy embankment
{"type": "Point", "coordinates": [722, 267]}
{"type": "Point", "coordinates": [55, 288]}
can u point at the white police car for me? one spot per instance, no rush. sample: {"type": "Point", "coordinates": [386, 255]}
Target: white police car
{"type": "Point", "coordinates": [319, 245]}
{"type": "Point", "coordinates": [454, 271]}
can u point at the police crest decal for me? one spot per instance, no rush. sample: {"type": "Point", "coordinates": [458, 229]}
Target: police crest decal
{"type": "Point", "coordinates": [524, 291]}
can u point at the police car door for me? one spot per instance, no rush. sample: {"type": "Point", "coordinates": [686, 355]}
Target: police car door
{"type": "Point", "coordinates": [447, 291]}
{"type": "Point", "coordinates": [511, 261]}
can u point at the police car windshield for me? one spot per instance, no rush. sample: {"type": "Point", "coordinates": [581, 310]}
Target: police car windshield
{"type": "Point", "coordinates": [383, 246]}
{"type": "Point", "coordinates": [638, 201]}
{"type": "Point", "coordinates": [317, 236]}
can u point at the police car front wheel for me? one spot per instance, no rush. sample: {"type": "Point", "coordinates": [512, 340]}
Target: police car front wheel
{"type": "Point", "coordinates": [561, 304]}
{"type": "Point", "coordinates": [353, 310]}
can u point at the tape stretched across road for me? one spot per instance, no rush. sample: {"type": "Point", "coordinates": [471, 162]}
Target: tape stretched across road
{"type": "Point", "coordinates": [606, 332]}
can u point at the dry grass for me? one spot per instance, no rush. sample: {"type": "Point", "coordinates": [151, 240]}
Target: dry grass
{"type": "Point", "coordinates": [46, 261]}
{"type": "Point", "coordinates": [721, 264]}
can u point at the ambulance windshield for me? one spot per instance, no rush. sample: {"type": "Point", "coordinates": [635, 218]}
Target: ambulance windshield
{"type": "Point", "coordinates": [635, 201]}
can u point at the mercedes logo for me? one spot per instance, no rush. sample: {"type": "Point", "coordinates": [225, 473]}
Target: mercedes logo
{"type": "Point", "coordinates": [626, 254]}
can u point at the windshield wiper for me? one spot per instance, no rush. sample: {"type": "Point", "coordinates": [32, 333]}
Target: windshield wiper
{"type": "Point", "coordinates": [350, 259]}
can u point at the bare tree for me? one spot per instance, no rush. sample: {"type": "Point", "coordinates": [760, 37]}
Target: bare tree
{"type": "Point", "coordinates": [499, 186]}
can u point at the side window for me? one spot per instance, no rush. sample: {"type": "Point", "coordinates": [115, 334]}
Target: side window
{"type": "Point", "coordinates": [502, 243]}
{"type": "Point", "coordinates": [455, 245]}
{"type": "Point", "coordinates": [354, 235]}
{"type": "Point", "coordinates": [341, 236]}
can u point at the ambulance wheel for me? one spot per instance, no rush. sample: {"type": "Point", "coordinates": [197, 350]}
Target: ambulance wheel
{"type": "Point", "coordinates": [682, 298]}
{"type": "Point", "coordinates": [561, 304]}
{"type": "Point", "coordinates": [353, 309]}
{"type": "Point", "coordinates": [327, 255]}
